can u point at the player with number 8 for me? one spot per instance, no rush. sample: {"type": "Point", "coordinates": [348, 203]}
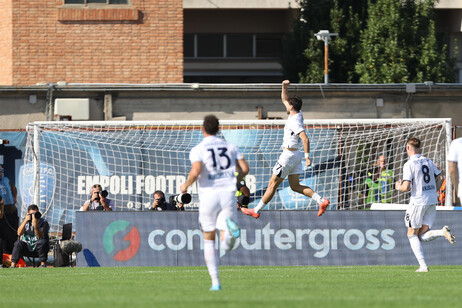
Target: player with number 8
{"type": "Point", "coordinates": [426, 179]}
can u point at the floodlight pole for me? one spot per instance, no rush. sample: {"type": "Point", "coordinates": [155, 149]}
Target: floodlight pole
{"type": "Point", "coordinates": [325, 36]}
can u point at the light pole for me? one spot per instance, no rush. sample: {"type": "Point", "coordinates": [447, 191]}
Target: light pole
{"type": "Point", "coordinates": [325, 36]}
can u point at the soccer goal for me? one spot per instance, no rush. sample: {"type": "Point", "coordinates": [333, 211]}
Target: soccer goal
{"type": "Point", "coordinates": [131, 160]}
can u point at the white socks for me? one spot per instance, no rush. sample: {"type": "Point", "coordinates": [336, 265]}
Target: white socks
{"type": "Point", "coordinates": [228, 241]}
{"type": "Point", "coordinates": [417, 249]}
{"type": "Point", "coordinates": [316, 198]}
{"type": "Point", "coordinates": [431, 235]}
{"type": "Point", "coordinates": [259, 207]}
{"type": "Point", "coordinates": [211, 260]}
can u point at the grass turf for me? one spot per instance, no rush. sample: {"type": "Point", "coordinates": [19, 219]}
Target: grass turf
{"type": "Point", "coordinates": [298, 286]}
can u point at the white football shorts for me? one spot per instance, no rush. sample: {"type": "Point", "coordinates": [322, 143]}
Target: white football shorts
{"type": "Point", "coordinates": [215, 206]}
{"type": "Point", "coordinates": [418, 215]}
{"type": "Point", "coordinates": [289, 162]}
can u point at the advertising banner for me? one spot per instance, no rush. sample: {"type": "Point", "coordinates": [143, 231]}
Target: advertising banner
{"type": "Point", "coordinates": [276, 238]}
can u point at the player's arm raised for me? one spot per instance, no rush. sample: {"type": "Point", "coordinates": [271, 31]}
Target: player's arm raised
{"type": "Point", "coordinates": [285, 93]}
{"type": "Point", "coordinates": [193, 175]}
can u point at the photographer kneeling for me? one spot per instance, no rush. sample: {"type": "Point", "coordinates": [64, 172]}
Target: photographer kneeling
{"type": "Point", "coordinates": [34, 240]}
{"type": "Point", "coordinates": [98, 201]}
{"type": "Point", "coordinates": [176, 202]}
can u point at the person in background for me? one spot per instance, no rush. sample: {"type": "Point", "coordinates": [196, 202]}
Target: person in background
{"type": "Point", "coordinates": [9, 219]}
{"type": "Point", "coordinates": [378, 186]}
{"type": "Point", "coordinates": [455, 168]}
{"type": "Point", "coordinates": [34, 239]}
{"type": "Point", "coordinates": [98, 200]}
{"type": "Point", "coordinates": [160, 204]}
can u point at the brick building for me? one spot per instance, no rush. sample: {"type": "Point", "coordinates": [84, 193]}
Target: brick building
{"type": "Point", "coordinates": [91, 41]}
{"type": "Point", "coordinates": [157, 41]}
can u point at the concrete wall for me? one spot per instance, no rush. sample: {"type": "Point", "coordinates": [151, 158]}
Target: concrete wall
{"type": "Point", "coordinates": [188, 102]}
{"type": "Point", "coordinates": [240, 4]}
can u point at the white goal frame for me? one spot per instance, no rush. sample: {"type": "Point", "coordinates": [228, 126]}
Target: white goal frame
{"type": "Point", "coordinates": [35, 130]}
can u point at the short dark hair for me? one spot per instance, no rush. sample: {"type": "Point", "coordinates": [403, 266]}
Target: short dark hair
{"type": "Point", "coordinates": [157, 192]}
{"type": "Point", "coordinates": [33, 207]}
{"type": "Point", "coordinates": [296, 102]}
{"type": "Point", "coordinates": [211, 124]}
{"type": "Point", "coordinates": [414, 142]}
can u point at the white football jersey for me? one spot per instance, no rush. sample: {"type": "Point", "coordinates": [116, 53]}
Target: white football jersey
{"type": "Point", "coordinates": [218, 159]}
{"type": "Point", "coordinates": [421, 172]}
{"type": "Point", "coordinates": [292, 129]}
{"type": "Point", "coordinates": [455, 155]}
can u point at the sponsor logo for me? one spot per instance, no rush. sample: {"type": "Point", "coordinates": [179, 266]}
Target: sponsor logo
{"type": "Point", "coordinates": [322, 241]}
{"type": "Point", "coordinates": [47, 185]}
{"type": "Point", "coordinates": [143, 184]}
{"type": "Point", "coordinates": [133, 237]}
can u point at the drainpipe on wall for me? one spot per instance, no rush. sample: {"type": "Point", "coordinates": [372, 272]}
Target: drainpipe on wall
{"type": "Point", "coordinates": [49, 102]}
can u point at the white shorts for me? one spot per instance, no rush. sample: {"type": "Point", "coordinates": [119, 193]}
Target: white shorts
{"type": "Point", "coordinates": [289, 162]}
{"type": "Point", "coordinates": [215, 207]}
{"type": "Point", "coordinates": [418, 215]}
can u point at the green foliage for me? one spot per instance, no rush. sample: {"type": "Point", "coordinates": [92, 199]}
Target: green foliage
{"type": "Point", "coordinates": [380, 41]}
{"type": "Point", "coordinates": [399, 45]}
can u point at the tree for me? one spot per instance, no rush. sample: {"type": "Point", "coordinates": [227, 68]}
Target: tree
{"type": "Point", "coordinates": [380, 41]}
{"type": "Point", "coordinates": [399, 45]}
{"type": "Point", "coordinates": [303, 58]}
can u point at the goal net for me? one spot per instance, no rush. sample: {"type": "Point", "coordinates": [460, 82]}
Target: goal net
{"type": "Point", "coordinates": [131, 160]}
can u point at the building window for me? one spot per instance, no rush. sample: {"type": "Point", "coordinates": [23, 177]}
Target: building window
{"type": "Point", "coordinates": [96, 1]}
{"type": "Point", "coordinates": [239, 45]}
{"type": "Point", "coordinates": [268, 45]}
{"type": "Point", "coordinates": [189, 45]}
{"type": "Point", "coordinates": [232, 45]}
{"type": "Point", "coordinates": [210, 46]}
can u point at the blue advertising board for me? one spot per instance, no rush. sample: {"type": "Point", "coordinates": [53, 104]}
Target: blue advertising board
{"type": "Point", "coordinates": [276, 238]}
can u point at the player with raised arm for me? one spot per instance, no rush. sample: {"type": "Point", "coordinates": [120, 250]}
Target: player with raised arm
{"type": "Point", "coordinates": [213, 166]}
{"type": "Point", "coordinates": [289, 163]}
{"type": "Point", "coordinates": [422, 178]}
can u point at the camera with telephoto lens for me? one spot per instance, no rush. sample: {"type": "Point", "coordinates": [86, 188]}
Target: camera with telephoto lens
{"type": "Point", "coordinates": [37, 215]}
{"type": "Point", "coordinates": [102, 193]}
{"type": "Point", "coordinates": [180, 198]}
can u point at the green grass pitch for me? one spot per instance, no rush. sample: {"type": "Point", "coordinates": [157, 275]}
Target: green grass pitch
{"type": "Point", "coordinates": [288, 286]}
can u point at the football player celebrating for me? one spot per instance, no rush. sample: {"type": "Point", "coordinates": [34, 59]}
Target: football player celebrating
{"type": "Point", "coordinates": [213, 166]}
{"type": "Point", "coordinates": [289, 163]}
{"type": "Point", "coordinates": [420, 215]}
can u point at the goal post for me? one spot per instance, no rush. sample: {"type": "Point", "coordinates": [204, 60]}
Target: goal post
{"type": "Point", "coordinates": [133, 159]}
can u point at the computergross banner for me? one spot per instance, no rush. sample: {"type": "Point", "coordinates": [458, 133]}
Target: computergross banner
{"type": "Point", "coordinates": [276, 238]}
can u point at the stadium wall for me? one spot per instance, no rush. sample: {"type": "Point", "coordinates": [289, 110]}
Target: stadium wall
{"type": "Point", "coordinates": [234, 101]}
{"type": "Point", "coordinates": [276, 238]}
